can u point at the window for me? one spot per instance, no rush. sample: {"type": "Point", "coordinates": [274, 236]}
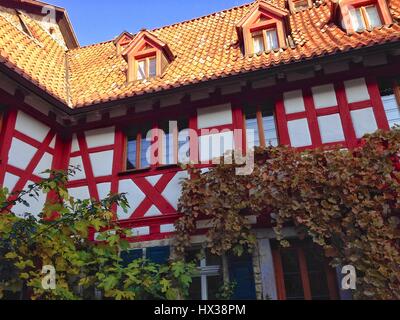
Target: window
{"type": "Point", "coordinates": [258, 43]}
{"type": "Point", "coordinates": [366, 17]}
{"type": "Point", "coordinates": [169, 145]}
{"type": "Point", "coordinates": [262, 122]}
{"type": "Point", "coordinates": [138, 149]}
{"type": "Point", "coordinates": [174, 142]}
{"type": "Point", "coordinates": [299, 5]}
{"type": "Point", "coordinates": [390, 94]}
{"type": "Point", "coordinates": [214, 271]}
{"type": "Point", "coordinates": [263, 28]}
{"type": "Point", "coordinates": [146, 68]}
{"type": "Point", "coordinates": [159, 255]}
{"type": "Point", "coordinates": [206, 285]}
{"type": "Point", "coordinates": [265, 40]}
{"type": "Point", "coordinates": [302, 272]}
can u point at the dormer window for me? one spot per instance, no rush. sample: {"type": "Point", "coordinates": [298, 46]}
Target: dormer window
{"type": "Point", "coordinates": [263, 28]}
{"type": "Point", "coordinates": [299, 5]}
{"type": "Point", "coordinates": [265, 40]}
{"type": "Point", "coordinates": [363, 18]}
{"type": "Point", "coordinates": [361, 15]}
{"type": "Point", "coordinates": [146, 68]}
{"type": "Point", "coordinates": [147, 57]}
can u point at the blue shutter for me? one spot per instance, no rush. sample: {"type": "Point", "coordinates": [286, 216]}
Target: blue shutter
{"type": "Point", "coordinates": [130, 255]}
{"type": "Point", "coordinates": [159, 255]}
{"type": "Point", "coordinates": [241, 272]}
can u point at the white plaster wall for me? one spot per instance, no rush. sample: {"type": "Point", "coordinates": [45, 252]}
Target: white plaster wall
{"type": "Point", "coordinates": [324, 96]}
{"type": "Point", "coordinates": [299, 133]}
{"type": "Point", "coordinates": [10, 181]}
{"type": "Point", "coordinates": [166, 228]}
{"type": "Point", "coordinates": [364, 122]}
{"type": "Point", "coordinates": [104, 190]}
{"type": "Point", "coordinates": [173, 190]}
{"type": "Point", "coordinates": [102, 163]}
{"type": "Point", "coordinates": [79, 174]}
{"type": "Point", "coordinates": [153, 212]}
{"type": "Point", "coordinates": [75, 144]}
{"type": "Point", "coordinates": [141, 231]}
{"type": "Point", "coordinates": [134, 196]}
{"type": "Point", "coordinates": [35, 205]}
{"type": "Point", "coordinates": [356, 90]}
{"type": "Point", "coordinates": [294, 101]}
{"type": "Point", "coordinates": [20, 154]}
{"type": "Point", "coordinates": [31, 127]}
{"type": "Point", "coordinates": [44, 164]}
{"type": "Point", "coordinates": [100, 137]}
{"type": "Point", "coordinates": [331, 128]}
{"type": "Point", "coordinates": [80, 193]}
{"type": "Point", "coordinates": [214, 116]}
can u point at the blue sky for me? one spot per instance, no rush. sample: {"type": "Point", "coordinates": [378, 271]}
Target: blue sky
{"type": "Point", "coordinates": [101, 20]}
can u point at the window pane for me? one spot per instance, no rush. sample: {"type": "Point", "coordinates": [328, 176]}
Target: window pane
{"type": "Point", "coordinates": [152, 67]}
{"type": "Point", "coordinates": [272, 39]}
{"type": "Point", "coordinates": [258, 43]}
{"type": "Point", "coordinates": [356, 19]}
{"type": "Point", "coordinates": [168, 148]}
{"type": "Point", "coordinates": [131, 158]}
{"type": "Point", "coordinates": [316, 273]}
{"type": "Point", "coordinates": [270, 131]}
{"type": "Point", "coordinates": [292, 277]}
{"type": "Point", "coordinates": [373, 16]}
{"type": "Point", "coordinates": [392, 110]}
{"type": "Point", "coordinates": [195, 289]}
{"type": "Point", "coordinates": [145, 153]}
{"type": "Point", "coordinates": [214, 285]}
{"type": "Point", "coordinates": [141, 74]}
{"type": "Point", "coordinates": [253, 140]}
{"type": "Point", "coordinates": [184, 146]}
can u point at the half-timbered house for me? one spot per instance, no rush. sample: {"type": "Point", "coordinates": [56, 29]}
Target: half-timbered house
{"type": "Point", "coordinates": [304, 73]}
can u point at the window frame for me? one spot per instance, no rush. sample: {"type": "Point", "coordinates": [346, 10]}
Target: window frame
{"type": "Point", "coordinates": [206, 271]}
{"type": "Point", "coordinates": [139, 139]}
{"type": "Point", "coordinates": [260, 125]}
{"type": "Point", "coordinates": [146, 67]}
{"type": "Point", "coordinates": [156, 143]}
{"type": "Point", "coordinates": [381, 6]}
{"type": "Point", "coordinates": [266, 44]}
{"type": "Point", "coordinates": [365, 18]}
{"type": "Point", "coordinates": [299, 246]}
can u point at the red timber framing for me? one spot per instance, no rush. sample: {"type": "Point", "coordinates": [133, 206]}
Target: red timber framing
{"type": "Point", "coordinates": [255, 97]}
{"type": "Point", "coordinates": [9, 132]}
{"type": "Point", "coordinates": [343, 108]}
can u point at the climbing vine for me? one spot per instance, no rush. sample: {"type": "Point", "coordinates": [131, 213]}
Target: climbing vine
{"type": "Point", "coordinates": [58, 236]}
{"type": "Point", "coordinates": [347, 201]}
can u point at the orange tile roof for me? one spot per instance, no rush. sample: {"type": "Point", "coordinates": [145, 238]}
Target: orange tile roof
{"type": "Point", "coordinates": [205, 48]}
